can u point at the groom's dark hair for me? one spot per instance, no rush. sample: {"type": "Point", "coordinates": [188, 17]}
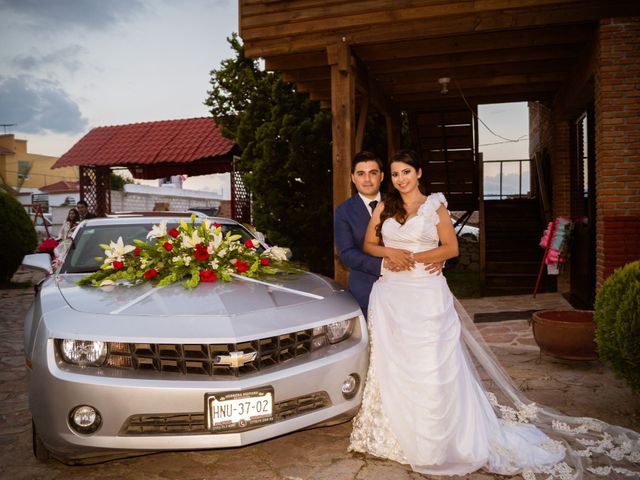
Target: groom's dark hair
{"type": "Point", "coordinates": [365, 156]}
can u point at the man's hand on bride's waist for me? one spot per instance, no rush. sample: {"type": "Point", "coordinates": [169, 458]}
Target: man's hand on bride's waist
{"type": "Point", "coordinates": [398, 260]}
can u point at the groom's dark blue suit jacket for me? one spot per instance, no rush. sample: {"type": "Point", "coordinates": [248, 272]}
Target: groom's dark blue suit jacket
{"type": "Point", "coordinates": [350, 225]}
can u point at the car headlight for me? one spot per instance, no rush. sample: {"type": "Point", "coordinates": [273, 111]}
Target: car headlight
{"type": "Point", "coordinates": [338, 331]}
{"type": "Point", "coordinates": [332, 333]}
{"type": "Point", "coordinates": [83, 352]}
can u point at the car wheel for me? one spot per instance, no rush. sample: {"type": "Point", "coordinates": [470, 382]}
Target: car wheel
{"type": "Point", "coordinates": [39, 450]}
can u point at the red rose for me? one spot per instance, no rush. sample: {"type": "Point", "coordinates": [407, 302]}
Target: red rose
{"type": "Point", "coordinates": [248, 243]}
{"type": "Point", "coordinates": [149, 274]}
{"type": "Point", "coordinates": [167, 246]}
{"type": "Point", "coordinates": [241, 266]}
{"type": "Point", "coordinates": [264, 262]}
{"type": "Point", "coordinates": [136, 252]}
{"type": "Point", "coordinates": [174, 232]}
{"type": "Point", "coordinates": [208, 276]}
{"type": "Point", "coordinates": [118, 265]}
{"type": "Point", "coordinates": [201, 252]}
{"type": "Point", "coordinates": [48, 245]}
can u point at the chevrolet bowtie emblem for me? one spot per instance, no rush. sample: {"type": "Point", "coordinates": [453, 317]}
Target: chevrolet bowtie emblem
{"type": "Point", "coordinates": [235, 359]}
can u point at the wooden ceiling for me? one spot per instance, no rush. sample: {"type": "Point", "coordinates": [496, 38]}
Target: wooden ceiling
{"type": "Point", "coordinates": [492, 50]}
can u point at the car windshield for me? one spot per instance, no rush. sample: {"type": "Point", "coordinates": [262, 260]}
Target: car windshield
{"type": "Point", "coordinates": [81, 257]}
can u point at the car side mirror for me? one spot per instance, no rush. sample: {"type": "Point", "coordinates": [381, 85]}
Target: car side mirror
{"type": "Point", "coordinates": [39, 261]}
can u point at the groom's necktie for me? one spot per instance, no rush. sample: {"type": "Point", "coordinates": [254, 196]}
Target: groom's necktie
{"type": "Point", "coordinates": [373, 204]}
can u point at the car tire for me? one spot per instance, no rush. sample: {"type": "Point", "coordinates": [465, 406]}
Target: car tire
{"type": "Point", "coordinates": [39, 450]}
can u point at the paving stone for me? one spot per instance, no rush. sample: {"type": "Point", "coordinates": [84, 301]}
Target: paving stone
{"type": "Point", "coordinates": [579, 388]}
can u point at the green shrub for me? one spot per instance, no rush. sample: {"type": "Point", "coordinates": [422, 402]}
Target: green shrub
{"type": "Point", "coordinates": [617, 317]}
{"type": "Point", "coordinates": [18, 236]}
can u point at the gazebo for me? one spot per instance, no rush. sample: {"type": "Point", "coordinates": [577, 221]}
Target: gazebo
{"type": "Point", "coordinates": [193, 146]}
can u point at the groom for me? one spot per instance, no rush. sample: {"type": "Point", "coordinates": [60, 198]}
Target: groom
{"type": "Point", "coordinates": [350, 225]}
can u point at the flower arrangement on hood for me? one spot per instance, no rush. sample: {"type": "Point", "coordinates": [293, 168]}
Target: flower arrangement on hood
{"type": "Point", "coordinates": [193, 252]}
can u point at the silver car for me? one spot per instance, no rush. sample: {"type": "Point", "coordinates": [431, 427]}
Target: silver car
{"type": "Point", "coordinates": [123, 370]}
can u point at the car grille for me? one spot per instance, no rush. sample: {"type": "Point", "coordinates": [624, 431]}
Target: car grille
{"type": "Point", "coordinates": [194, 423]}
{"type": "Point", "coordinates": [204, 359]}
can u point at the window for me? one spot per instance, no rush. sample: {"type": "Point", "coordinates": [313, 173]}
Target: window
{"type": "Point", "coordinates": [23, 169]}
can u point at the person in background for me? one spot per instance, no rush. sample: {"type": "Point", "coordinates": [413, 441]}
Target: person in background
{"type": "Point", "coordinates": [73, 218]}
{"type": "Point", "coordinates": [83, 211]}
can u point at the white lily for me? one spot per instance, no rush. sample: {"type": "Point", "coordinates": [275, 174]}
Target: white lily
{"type": "Point", "coordinates": [277, 253]}
{"type": "Point", "coordinates": [215, 243]}
{"type": "Point", "coordinates": [190, 241]}
{"type": "Point", "coordinates": [158, 231]}
{"type": "Point", "coordinates": [118, 250]}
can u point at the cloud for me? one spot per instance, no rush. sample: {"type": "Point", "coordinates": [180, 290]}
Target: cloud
{"type": "Point", "coordinates": [61, 14]}
{"type": "Point", "coordinates": [38, 106]}
{"type": "Point", "coordinates": [65, 57]}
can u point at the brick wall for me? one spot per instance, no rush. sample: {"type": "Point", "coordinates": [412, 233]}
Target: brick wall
{"type": "Point", "coordinates": [548, 134]}
{"type": "Point", "coordinates": [617, 106]}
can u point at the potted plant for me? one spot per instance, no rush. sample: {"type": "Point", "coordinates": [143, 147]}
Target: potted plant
{"type": "Point", "coordinates": [617, 316]}
{"type": "Point", "coordinates": [567, 334]}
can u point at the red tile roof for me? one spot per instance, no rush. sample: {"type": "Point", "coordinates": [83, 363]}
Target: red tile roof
{"type": "Point", "coordinates": [61, 187]}
{"type": "Point", "coordinates": [164, 142]}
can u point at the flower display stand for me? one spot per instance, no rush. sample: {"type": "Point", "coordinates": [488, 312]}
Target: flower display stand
{"type": "Point", "coordinates": [566, 334]}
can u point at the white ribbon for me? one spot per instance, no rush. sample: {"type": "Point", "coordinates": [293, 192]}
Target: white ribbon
{"type": "Point", "coordinates": [234, 275]}
{"type": "Point", "coordinates": [135, 300]}
{"type": "Point", "coordinates": [277, 287]}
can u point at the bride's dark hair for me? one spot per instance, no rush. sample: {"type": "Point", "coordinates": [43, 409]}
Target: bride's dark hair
{"type": "Point", "coordinates": [393, 204]}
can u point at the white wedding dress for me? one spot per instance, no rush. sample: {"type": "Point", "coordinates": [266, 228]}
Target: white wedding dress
{"type": "Point", "coordinates": [423, 403]}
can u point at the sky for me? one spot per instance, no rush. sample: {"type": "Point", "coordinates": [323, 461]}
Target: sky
{"type": "Point", "coordinates": [67, 66]}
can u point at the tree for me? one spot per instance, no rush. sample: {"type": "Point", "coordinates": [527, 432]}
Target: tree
{"type": "Point", "coordinates": [118, 182]}
{"type": "Point", "coordinates": [18, 234]}
{"type": "Point", "coordinates": [286, 157]}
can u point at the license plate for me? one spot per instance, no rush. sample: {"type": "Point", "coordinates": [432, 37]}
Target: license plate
{"type": "Point", "coordinates": [239, 410]}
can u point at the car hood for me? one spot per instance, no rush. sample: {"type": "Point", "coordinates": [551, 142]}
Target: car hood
{"type": "Point", "coordinates": [213, 312]}
{"type": "Point", "coordinates": [238, 297]}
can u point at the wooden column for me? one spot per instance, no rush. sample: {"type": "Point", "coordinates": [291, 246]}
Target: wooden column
{"type": "Point", "coordinates": [343, 131]}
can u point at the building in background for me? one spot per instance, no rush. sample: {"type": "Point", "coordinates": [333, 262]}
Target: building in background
{"type": "Point", "coordinates": [29, 171]}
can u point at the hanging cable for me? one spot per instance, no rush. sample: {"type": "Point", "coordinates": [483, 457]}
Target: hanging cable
{"type": "Point", "coordinates": [507, 140]}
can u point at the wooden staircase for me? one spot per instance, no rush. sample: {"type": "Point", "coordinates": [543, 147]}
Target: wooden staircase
{"type": "Point", "coordinates": [512, 255]}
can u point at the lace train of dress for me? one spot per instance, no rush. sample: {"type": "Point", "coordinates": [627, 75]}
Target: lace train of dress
{"type": "Point", "coordinates": [423, 402]}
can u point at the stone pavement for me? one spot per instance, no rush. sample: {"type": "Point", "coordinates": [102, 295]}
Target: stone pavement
{"type": "Point", "coordinates": [579, 388]}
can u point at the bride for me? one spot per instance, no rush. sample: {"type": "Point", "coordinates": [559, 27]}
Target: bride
{"type": "Point", "coordinates": [424, 404]}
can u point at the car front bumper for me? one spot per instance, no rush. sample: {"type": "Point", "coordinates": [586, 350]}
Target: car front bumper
{"type": "Point", "coordinates": [54, 390]}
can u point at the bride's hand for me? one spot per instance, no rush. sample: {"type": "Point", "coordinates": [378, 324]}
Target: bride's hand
{"type": "Point", "coordinates": [403, 259]}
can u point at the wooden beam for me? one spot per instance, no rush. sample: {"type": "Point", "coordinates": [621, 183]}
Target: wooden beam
{"type": "Point", "coordinates": [399, 24]}
{"type": "Point", "coordinates": [477, 42]}
{"type": "Point", "coordinates": [498, 81]}
{"type": "Point", "coordinates": [343, 135]}
{"type": "Point", "coordinates": [411, 104]}
{"type": "Point", "coordinates": [375, 13]}
{"type": "Point", "coordinates": [528, 70]}
{"type": "Point", "coordinates": [476, 59]}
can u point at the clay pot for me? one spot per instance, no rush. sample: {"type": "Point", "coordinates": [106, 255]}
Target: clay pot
{"type": "Point", "coordinates": [567, 334]}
